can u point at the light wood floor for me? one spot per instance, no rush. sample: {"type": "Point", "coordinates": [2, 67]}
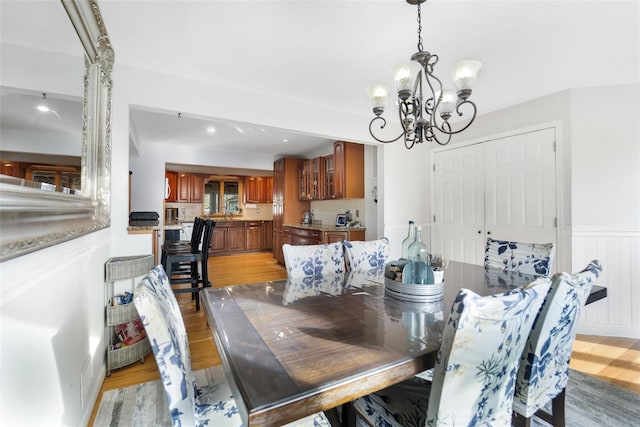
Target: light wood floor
{"type": "Point", "coordinates": [616, 360]}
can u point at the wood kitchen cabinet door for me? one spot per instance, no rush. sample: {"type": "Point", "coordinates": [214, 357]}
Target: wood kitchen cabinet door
{"type": "Point", "coordinates": [348, 170]}
{"type": "Point", "coordinates": [236, 239]}
{"type": "Point", "coordinates": [254, 234]}
{"type": "Point", "coordinates": [328, 188]}
{"type": "Point", "coordinates": [268, 189]}
{"type": "Point", "coordinates": [218, 240]}
{"type": "Point", "coordinates": [184, 186]}
{"type": "Point", "coordinates": [197, 188]}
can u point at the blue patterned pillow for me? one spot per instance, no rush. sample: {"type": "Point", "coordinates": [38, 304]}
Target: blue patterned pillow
{"type": "Point", "coordinates": [366, 255]}
{"type": "Point", "coordinates": [313, 260]}
{"type": "Point", "coordinates": [531, 258]}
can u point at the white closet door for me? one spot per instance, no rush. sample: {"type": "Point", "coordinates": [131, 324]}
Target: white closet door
{"type": "Point", "coordinates": [458, 232]}
{"type": "Point", "coordinates": [520, 187]}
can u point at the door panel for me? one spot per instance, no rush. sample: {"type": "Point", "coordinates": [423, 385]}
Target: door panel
{"type": "Point", "coordinates": [459, 205]}
{"type": "Point", "coordinates": [520, 180]}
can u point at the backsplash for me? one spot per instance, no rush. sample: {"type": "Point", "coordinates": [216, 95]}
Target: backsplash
{"type": "Point", "coordinates": [323, 210]}
{"type": "Point", "coordinates": [326, 210]}
{"type": "Point", "coordinates": [188, 211]}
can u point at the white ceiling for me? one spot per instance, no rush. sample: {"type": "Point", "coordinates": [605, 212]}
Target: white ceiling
{"type": "Point", "coordinates": [325, 52]}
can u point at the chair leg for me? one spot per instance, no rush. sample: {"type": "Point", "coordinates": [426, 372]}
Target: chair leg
{"type": "Point", "coordinates": [557, 408]}
{"type": "Point", "coordinates": [518, 420]}
{"type": "Point", "coordinates": [348, 415]}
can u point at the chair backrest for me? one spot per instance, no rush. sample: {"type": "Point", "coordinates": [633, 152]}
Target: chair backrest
{"type": "Point", "coordinates": [208, 226]}
{"type": "Point", "coordinates": [366, 255]}
{"type": "Point", "coordinates": [531, 258]}
{"type": "Point", "coordinates": [196, 235]}
{"type": "Point", "coordinates": [162, 320]}
{"type": "Point", "coordinates": [544, 368]}
{"type": "Point", "coordinates": [476, 366]}
{"type": "Point", "coordinates": [313, 260]}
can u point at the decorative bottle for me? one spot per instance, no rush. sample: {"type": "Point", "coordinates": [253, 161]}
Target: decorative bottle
{"type": "Point", "coordinates": [411, 236]}
{"type": "Point", "coordinates": [418, 269]}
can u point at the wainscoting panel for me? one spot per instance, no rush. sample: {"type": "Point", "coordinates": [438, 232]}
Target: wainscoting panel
{"type": "Point", "coordinates": [619, 253]}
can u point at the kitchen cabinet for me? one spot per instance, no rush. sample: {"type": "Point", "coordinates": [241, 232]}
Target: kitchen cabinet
{"type": "Point", "coordinates": [11, 169]}
{"type": "Point", "coordinates": [287, 207]}
{"type": "Point", "coordinates": [348, 170]}
{"type": "Point", "coordinates": [316, 236]}
{"type": "Point", "coordinates": [303, 236]}
{"type": "Point", "coordinates": [254, 235]}
{"type": "Point", "coordinates": [267, 240]}
{"type": "Point", "coordinates": [312, 180]}
{"type": "Point", "coordinates": [241, 236]}
{"type": "Point", "coordinates": [258, 189]}
{"type": "Point", "coordinates": [328, 184]}
{"type": "Point", "coordinates": [190, 188]}
{"type": "Point", "coordinates": [236, 237]}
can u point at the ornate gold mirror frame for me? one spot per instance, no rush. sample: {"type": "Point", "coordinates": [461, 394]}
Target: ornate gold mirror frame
{"type": "Point", "coordinates": [32, 219]}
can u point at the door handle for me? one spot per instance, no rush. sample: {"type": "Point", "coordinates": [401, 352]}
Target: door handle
{"type": "Point", "coordinates": [488, 232]}
{"type": "Point", "coordinates": [479, 231]}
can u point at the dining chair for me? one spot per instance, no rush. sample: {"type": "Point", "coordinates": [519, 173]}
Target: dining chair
{"type": "Point", "coordinates": [532, 258]}
{"type": "Point", "coordinates": [192, 268]}
{"type": "Point", "coordinates": [189, 404]}
{"type": "Point", "coordinates": [366, 255]}
{"type": "Point", "coordinates": [544, 366]}
{"type": "Point", "coordinates": [313, 260]}
{"type": "Point", "coordinates": [475, 370]}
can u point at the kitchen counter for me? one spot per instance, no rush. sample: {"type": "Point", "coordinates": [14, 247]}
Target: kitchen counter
{"type": "Point", "coordinates": [143, 227]}
{"type": "Point", "coordinates": [324, 227]}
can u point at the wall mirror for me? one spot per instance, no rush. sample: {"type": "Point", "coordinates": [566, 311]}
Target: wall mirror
{"type": "Point", "coordinates": [62, 194]}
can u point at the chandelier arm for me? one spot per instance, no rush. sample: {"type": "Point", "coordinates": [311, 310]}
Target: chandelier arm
{"type": "Point", "coordinates": [384, 123]}
{"type": "Point", "coordinates": [436, 102]}
{"type": "Point", "coordinates": [434, 136]}
{"type": "Point", "coordinates": [450, 132]}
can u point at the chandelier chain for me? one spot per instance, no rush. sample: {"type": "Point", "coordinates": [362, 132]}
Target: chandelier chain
{"type": "Point", "coordinates": [419, 29]}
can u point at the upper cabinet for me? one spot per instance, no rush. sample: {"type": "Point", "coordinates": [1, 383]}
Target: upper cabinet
{"type": "Point", "coordinates": [258, 189]}
{"type": "Point", "coordinates": [348, 170]}
{"type": "Point", "coordinates": [170, 186]}
{"type": "Point", "coordinates": [311, 180]}
{"type": "Point", "coordinates": [328, 184]}
{"type": "Point", "coordinates": [190, 188]}
{"type": "Point", "coordinates": [337, 176]}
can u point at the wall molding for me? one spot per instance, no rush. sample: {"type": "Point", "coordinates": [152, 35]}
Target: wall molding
{"type": "Point", "coordinates": [618, 250]}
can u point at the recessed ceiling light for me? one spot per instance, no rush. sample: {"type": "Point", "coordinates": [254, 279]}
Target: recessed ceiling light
{"type": "Point", "coordinates": [211, 129]}
{"type": "Point", "coordinates": [285, 140]}
{"type": "Point", "coordinates": [43, 108]}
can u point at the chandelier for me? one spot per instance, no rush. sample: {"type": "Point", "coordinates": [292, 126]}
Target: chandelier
{"type": "Point", "coordinates": [425, 119]}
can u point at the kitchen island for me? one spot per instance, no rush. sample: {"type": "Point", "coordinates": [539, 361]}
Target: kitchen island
{"type": "Point", "coordinates": [315, 234]}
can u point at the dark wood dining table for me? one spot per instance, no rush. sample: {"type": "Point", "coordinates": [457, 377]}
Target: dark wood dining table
{"type": "Point", "coordinates": [291, 348]}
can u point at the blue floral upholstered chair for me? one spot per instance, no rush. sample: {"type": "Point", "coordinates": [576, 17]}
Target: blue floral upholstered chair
{"type": "Point", "coordinates": [544, 368]}
{"type": "Point", "coordinates": [313, 260]}
{"type": "Point", "coordinates": [189, 405]}
{"type": "Point", "coordinates": [476, 366]}
{"type": "Point", "coordinates": [366, 255]}
{"type": "Point", "coordinates": [531, 258]}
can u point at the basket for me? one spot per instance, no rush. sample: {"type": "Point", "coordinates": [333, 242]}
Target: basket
{"type": "Point", "coordinates": [121, 314]}
{"type": "Point", "coordinates": [127, 267]}
{"type": "Point", "coordinates": [126, 355]}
